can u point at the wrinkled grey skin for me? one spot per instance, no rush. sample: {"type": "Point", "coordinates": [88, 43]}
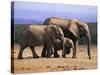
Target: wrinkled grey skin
{"type": "Point", "coordinates": [73, 29]}
{"type": "Point", "coordinates": [57, 45]}
{"type": "Point", "coordinates": [37, 35]}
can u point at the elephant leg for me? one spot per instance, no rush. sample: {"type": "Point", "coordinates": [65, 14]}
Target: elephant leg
{"type": "Point", "coordinates": [49, 50]}
{"type": "Point", "coordinates": [33, 52]}
{"type": "Point", "coordinates": [56, 54]}
{"type": "Point", "coordinates": [64, 52]}
{"type": "Point", "coordinates": [21, 52]}
{"type": "Point", "coordinates": [75, 49]}
{"type": "Point", "coordinates": [49, 47]}
{"type": "Point", "coordinates": [68, 50]}
{"type": "Point", "coordinates": [44, 52]}
{"type": "Point", "coordinates": [48, 53]}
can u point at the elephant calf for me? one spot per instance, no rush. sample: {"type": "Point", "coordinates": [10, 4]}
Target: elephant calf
{"type": "Point", "coordinates": [37, 35]}
{"type": "Point", "coordinates": [57, 44]}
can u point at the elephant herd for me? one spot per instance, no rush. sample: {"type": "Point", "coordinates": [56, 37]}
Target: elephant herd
{"type": "Point", "coordinates": [55, 34]}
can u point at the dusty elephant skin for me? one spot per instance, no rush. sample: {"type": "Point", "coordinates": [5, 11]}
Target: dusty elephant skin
{"type": "Point", "coordinates": [57, 44]}
{"type": "Point", "coordinates": [37, 35]}
{"type": "Point", "coordinates": [73, 29]}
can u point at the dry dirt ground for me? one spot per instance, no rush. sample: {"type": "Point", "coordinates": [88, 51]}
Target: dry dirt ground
{"type": "Point", "coordinates": [29, 64]}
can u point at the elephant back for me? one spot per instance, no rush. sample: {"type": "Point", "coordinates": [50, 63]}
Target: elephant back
{"type": "Point", "coordinates": [56, 21]}
{"type": "Point", "coordinates": [68, 25]}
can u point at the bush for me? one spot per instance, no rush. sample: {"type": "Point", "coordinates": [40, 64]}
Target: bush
{"type": "Point", "coordinates": [92, 26]}
{"type": "Point", "coordinates": [18, 29]}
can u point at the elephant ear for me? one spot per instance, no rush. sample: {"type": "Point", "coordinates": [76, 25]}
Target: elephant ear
{"type": "Point", "coordinates": [74, 28]}
{"type": "Point", "coordinates": [50, 29]}
{"type": "Point", "coordinates": [83, 28]}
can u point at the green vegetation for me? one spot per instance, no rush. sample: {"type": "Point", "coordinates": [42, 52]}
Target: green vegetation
{"type": "Point", "coordinates": [18, 29]}
{"type": "Point", "coordinates": [93, 32]}
{"type": "Point", "coordinates": [92, 26]}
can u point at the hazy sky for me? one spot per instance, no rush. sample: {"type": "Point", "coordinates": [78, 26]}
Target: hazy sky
{"type": "Point", "coordinates": [28, 11]}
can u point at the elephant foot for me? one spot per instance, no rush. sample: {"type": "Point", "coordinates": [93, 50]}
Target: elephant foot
{"type": "Point", "coordinates": [51, 53]}
{"type": "Point", "coordinates": [36, 56]}
{"type": "Point", "coordinates": [48, 56]}
{"type": "Point", "coordinates": [63, 56]}
{"type": "Point", "coordinates": [74, 56]}
{"type": "Point", "coordinates": [89, 57]}
{"type": "Point", "coordinates": [20, 57]}
{"type": "Point", "coordinates": [43, 55]}
{"type": "Point", "coordinates": [56, 55]}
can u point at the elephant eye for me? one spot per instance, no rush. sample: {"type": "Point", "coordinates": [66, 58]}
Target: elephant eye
{"type": "Point", "coordinates": [57, 32]}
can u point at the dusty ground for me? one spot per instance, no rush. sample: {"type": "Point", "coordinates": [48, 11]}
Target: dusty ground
{"type": "Point", "coordinates": [29, 64]}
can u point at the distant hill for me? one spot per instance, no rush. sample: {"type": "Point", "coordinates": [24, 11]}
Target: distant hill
{"type": "Point", "coordinates": [25, 21]}
{"type": "Point", "coordinates": [41, 11]}
{"type": "Point", "coordinates": [40, 16]}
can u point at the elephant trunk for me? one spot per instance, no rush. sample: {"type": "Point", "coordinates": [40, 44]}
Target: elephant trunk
{"type": "Point", "coordinates": [63, 47]}
{"type": "Point", "coordinates": [88, 45]}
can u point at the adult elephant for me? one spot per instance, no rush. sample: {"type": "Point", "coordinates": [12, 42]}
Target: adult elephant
{"type": "Point", "coordinates": [73, 29]}
{"type": "Point", "coordinates": [36, 35]}
{"type": "Point", "coordinates": [57, 45]}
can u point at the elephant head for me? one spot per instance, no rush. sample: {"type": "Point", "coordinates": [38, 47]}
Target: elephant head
{"type": "Point", "coordinates": [73, 29]}
{"type": "Point", "coordinates": [68, 45]}
{"type": "Point", "coordinates": [84, 31]}
{"type": "Point", "coordinates": [80, 29]}
{"type": "Point", "coordinates": [55, 33]}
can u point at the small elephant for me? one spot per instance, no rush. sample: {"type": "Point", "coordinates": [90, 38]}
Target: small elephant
{"type": "Point", "coordinates": [37, 35]}
{"type": "Point", "coordinates": [73, 29]}
{"type": "Point", "coordinates": [57, 45]}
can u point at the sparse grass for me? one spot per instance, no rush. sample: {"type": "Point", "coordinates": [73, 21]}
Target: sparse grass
{"type": "Point", "coordinates": [27, 65]}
